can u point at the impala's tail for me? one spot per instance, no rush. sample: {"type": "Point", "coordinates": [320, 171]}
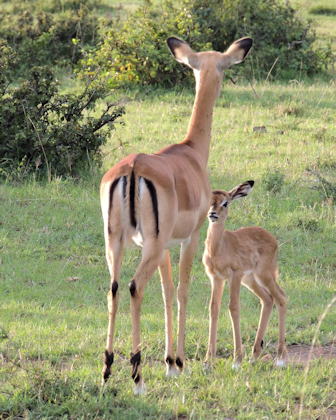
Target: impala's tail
{"type": "Point", "coordinates": [122, 203]}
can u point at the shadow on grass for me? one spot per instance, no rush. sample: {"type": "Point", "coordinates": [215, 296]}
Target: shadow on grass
{"type": "Point", "coordinates": [53, 394]}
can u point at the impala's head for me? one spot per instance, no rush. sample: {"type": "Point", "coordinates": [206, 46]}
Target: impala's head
{"type": "Point", "coordinates": [220, 200]}
{"type": "Point", "coordinates": [235, 54]}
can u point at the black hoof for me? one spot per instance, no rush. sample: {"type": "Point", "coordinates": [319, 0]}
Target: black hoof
{"type": "Point", "coordinates": [109, 358]}
{"type": "Point", "coordinates": [179, 363]}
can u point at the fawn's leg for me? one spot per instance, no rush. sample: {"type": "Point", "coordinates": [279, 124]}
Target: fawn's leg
{"type": "Point", "coordinates": [217, 288]}
{"type": "Point", "coordinates": [266, 301]}
{"type": "Point", "coordinates": [234, 308]}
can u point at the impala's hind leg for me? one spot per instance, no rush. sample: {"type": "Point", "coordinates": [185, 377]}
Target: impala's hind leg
{"type": "Point", "coordinates": [152, 253]}
{"type": "Point", "coordinates": [268, 279]}
{"type": "Point", "coordinates": [114, 251]}
{"type": "Point", "coordinates": [266, 301]}
{"type": "Point", "coordinates": [168, 296]}
{"type": "Point", "coordinates": [187, 254]}
{"type": "Point", "coordinates": [281, 303]}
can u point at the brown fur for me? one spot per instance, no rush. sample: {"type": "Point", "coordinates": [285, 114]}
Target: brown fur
{"type": "Point", "coordinates": [248, 256]}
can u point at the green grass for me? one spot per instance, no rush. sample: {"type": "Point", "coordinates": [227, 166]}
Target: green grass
{"type": "Point", "coordinates": [322, 13]}
{"type": "Point", "coordinates": [53, 276]}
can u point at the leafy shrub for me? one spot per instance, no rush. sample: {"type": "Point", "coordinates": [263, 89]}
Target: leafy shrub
{"type": "Point", "coordinates": [134, 51]}
{"type": "Point", "coordinates": [323, 10]}
{"type": "Point", "coordinates": [7, 61]}
{"type": "Point", "coordinates": [308, 224]}
{"type": "Point", "coordinates": [45, 132]}
{"type": "Point", "coordinates": [273, 181]}
{"type": "Point", "coordinates": [39, 37]}
{"type": "Point", "coordinates": [325, 182]}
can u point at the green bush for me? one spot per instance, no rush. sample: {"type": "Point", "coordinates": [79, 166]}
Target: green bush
{"type": "Point", "coordinates": [41, 37]}
{"type": "Point", "coordinates": [323, 10]}
{"type": "Point", "coordinates": [44, 132]}
{"type": "Point", "coordinates": [134, 51]}
{"type": "Point", "coordinates": [324, 181]}
{"type": "Point", "coordinates": [7, 62]}
{"type": "Point", "coordinates": [273, 181]}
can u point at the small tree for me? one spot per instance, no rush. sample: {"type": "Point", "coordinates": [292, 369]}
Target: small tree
{"type": "Point", "coordinates": [47, 132]}
{"type": "Point", "coordinates": [54, 33]}
{"type": "Point", "coordinates": [134, 51]}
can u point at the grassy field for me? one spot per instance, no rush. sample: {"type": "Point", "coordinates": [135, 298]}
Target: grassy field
{"type": "Point", "coordinates": [54, 279]}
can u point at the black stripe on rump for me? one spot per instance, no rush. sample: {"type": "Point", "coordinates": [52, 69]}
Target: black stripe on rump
{"type": "Point", "coordinates": [132, 200]}
{"type": "Point", "coordinates": [124, 180]}
{"type": "Point", "coordinates": [152, 191]}
{"type": "Point", "coordinates": [112, 188]}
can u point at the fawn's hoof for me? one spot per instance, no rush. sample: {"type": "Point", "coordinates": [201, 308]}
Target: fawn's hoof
{"type": "Point", "coordinates": [140, 388]}
{"type": "Point", "coordinates": [236, 365]}
{"type": "Point", "coordinates": [280, 363]}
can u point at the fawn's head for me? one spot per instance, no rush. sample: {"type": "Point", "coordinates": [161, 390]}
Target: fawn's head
{"type": "Point", "coordinates": [220, 200]}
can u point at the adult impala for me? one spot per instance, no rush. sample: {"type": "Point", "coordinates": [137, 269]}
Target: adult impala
{"type": "Point", "coordinates": [162, 199]}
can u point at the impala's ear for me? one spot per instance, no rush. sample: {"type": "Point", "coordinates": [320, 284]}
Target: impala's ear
{"type": "Point", "coordinates": [182, 52]}
{"type": "Point", "coordinates": [241, 190]}
{"type": "Point", "coordinates": [236, 52]}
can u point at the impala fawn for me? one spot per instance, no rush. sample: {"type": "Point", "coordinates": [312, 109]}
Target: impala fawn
{"type": "Point", "coordinates": [248, 256]}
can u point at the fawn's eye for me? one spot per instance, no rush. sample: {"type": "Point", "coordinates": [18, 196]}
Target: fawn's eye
{"type": "Point", "coordinates": [224, 203]}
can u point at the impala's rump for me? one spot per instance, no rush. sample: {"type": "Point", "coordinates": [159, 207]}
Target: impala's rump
{"type": "Point", "coordinates": [179, 179]}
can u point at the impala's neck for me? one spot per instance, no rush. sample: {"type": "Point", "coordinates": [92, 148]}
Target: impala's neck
{"type": "Point", "coordinates": [214, 237]}
{"type": "Point", "coordinates": [199, 131]}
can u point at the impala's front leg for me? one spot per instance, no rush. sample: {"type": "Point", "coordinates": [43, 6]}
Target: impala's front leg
{"type": "Point", "coordinates": [151, 257]}
{"type": "Point", "coordinates": [168, 296]}
{"type": "Point", "coordinates": [217, 288]}
{"type": "Point", "coordinates": [234, 308]}
{"type": "Point", "coordinates": [187, 254]}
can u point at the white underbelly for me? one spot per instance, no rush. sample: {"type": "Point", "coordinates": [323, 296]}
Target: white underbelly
{"type": "Point", "coordinates": [137, 238]}
{"type": "Point", "coordinates": [177, 241]}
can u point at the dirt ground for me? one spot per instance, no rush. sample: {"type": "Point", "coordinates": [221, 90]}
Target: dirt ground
{"type": "Point", "coordinates": [302, 353]}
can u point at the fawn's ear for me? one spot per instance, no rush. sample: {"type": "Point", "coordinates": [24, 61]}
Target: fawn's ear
{"type": "Point", "coordinates": [236, 52]}
{"type": "Point", "coordinates": [241, 190]}
{"type": "Point", "coordinates": [182, 52]}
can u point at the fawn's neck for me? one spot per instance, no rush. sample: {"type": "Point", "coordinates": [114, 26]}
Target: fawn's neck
{"type": "Point", "coordinates": [214, 239]}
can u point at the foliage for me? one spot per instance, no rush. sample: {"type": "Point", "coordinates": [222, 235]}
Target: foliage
{"type": "Point", "coordinates": [273, 181]}
{"type": "Point", "coordinates": [327, 187]}
{"type": "Point", "coordinates": [7, 61]}
{"type": "Point", "coordinates": [323, 10]}
{"type": "Point", "coordinates": [135, 50]}
{"type": "Point", "coordinates": [41, 130]}
{"type": "Point", "coordinates": [48, 35]}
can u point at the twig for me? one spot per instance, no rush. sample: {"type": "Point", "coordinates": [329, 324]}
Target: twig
{"type": "Point", "coordinates": [39, 138]}
{"type": "Point", "coordinates": [254, 91]}
{"type": "Point", "coordinates": [269, 73]}
{"type": "Point", "coordinates": [310, 354]}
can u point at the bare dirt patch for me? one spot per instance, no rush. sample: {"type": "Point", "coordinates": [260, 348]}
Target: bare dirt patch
{"type": "Point", "coordinates": [303, 353]}
{"type": "Point", "coordinates": [330, 415]}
